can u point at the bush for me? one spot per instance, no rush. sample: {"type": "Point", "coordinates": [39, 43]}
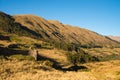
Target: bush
{"type": "Point", "coordinates": [80, 57]}
{"type": "Point", "coordinates": [73, 58]}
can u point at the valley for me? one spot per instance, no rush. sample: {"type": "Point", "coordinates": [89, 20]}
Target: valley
{"type": "Point", "coordinates": [64, 52]}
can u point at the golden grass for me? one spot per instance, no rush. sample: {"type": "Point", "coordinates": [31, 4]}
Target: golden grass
{"type": "Point", "coordinates": [55, 54]}
{"type": "Point", "coordinates": [103, 51]}
{"type": "Point", "coordinates": [31, 70]}
{"type": "Point", "coordinates": [4, 43]}
{"type": "Point", "coordinates": [69, 33]}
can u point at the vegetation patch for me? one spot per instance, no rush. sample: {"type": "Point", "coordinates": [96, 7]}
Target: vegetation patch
{"type": "Point", "coordinates": [19, 46]}
{"type": "Point", "coordinates": [22, 57]}
{"type": "Point", "coordinates": [15, 38]}
{"type": "Point", "coordinates": [80, 57]}
{"type": "Point", "coordinates": [110, 57]}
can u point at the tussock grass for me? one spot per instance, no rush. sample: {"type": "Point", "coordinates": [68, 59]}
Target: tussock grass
{"type": "Point", "coordinates": [30, 70]}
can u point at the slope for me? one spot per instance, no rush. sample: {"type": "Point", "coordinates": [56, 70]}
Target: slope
{"type": "Point", "coordinates": [58, 33]}
{"type": "Point", "coordinates": [117, 38]}
{"type": "Point", "coordinates": [9, 26]}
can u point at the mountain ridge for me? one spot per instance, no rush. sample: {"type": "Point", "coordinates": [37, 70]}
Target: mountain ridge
{"type": "Point", "coordinates": [54, 32]}
{"type": "Point", "coordinates": [57, 31]}
{"type": "Point", "coordinates": [117, 38]}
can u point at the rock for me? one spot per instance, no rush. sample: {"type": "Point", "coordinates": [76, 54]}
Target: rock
{"type": "Point", "coordinates": [33, 53]}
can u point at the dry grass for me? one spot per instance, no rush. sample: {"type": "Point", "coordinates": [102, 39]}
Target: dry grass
{"type": "Point", "coordinates": [55, 54]}
{"type": "Point", "coordinates": [15, 39]}
{"type": "Point", "coordinates": [24, 40]}
{"type": "Point", "coordinates": [31, 70]}
{"type": "Point", "coordinates": [66, 33]}
{"type": "Point", "coordinates": [103, 51]}
{"type": "Point", "coordinates": [4, 43]}
{"type": "Point", "coordinates": [105, 70]}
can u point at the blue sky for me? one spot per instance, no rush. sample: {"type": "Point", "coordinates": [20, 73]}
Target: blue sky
{"type": "Point", "coordinates": [101, 16]}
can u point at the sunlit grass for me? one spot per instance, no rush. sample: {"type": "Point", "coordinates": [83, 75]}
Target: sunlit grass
{"type": "Point", "coordinates": [16, 69]}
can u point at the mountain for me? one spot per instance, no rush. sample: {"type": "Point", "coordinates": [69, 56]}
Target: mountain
{"type": "Point", "coordinates": [117, 38]}
{"type": "Point", "coordinates": [57, 34]}
{"type": "Point", "coordinates": [57, 47]}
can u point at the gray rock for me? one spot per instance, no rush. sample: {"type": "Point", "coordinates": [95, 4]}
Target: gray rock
{"type": "Point", "coordinates": [33, 53]}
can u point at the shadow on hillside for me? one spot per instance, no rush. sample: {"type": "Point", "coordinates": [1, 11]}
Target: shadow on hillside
{"type": "Point", "coordinates": [8, 52]}
{"type": "Point", "coordinates": [75, 68]}
{"type": "Point", "coordinates": [57, 65]}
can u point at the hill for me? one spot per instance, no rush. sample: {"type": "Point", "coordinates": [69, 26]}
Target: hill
{"type": "Point", "coordinates": [62, 51]}
{"type": "Point", "coordinates": [117, 38]}
{"type": "Point", "coordinates": [24, 31]}
{"type": "Point", "coordinates": [59, 34]}
{"type": "Point", "coordinates": [54, 32]}
{"type": "Point", "coordinates": [9, 26]}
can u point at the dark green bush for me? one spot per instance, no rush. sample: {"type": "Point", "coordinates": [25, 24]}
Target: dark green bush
{"type": "Point", "coordinates": [80, 57]}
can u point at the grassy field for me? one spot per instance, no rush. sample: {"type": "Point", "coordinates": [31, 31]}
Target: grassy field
{"type": "Point", "coordinates": [19, 67]}
{"type": "Point", "coordinates": [14, 69]}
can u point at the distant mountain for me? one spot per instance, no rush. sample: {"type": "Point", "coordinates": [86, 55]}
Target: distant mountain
{"type": "Point", "coordinates": [117, 38]}
{"type": "Point", "coordinates": [52, 31]}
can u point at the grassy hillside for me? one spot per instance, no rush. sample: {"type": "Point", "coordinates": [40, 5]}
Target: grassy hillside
{"type": "Point", "coordinates": [59, 34]}
{"type": "Point", "coordinates": [52, 34]}
{"type": "Point", "coordinates": [64, 52]}
{"type": "Point", "coordinates": [9, 26]}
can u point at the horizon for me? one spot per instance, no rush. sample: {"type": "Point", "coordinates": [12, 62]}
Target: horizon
{"type": "Point", "coordinates": [101, 16]}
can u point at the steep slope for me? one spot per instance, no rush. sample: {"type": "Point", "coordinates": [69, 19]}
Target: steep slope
{"type": "Point", "coordinates": [39, 25]}
{"type": "Point", "coordinates": [9, 26]}
{"type": "Point", "coordinates": [56, 32]}
{"type": "Point", "coordinates": [117, 38]}
{"type": "Point", "coordinates": [52, 31]}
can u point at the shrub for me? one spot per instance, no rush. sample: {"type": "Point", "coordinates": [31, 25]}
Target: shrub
{"type": "Point", "coordinates": [73, 57]}
{"type": "Point", "coordinates": [80, 57]}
